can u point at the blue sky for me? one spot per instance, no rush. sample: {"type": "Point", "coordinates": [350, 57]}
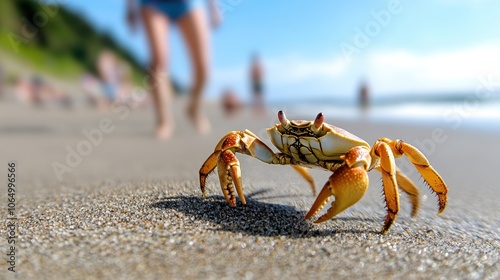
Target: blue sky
{"type": "Point", "coordinates": [408, 47]}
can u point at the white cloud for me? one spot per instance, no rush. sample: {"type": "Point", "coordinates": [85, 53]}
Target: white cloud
{"type": "Point", "coordinates": [458, 70]}
{"type": "Point", "coordinates": [388, 72]}
{"type": "Point", "coordinates": [296, 69]}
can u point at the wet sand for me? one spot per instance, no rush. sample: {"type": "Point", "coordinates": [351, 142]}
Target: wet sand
{"type": "Point", "coordinates": [131, 207]}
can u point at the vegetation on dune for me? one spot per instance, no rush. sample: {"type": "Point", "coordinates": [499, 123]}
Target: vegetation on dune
{"type": "Point", "coordinates": [55, 40]}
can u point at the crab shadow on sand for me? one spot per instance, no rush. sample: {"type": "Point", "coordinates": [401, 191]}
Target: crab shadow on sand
{"type": "Point", "coordinates": [260, 218]}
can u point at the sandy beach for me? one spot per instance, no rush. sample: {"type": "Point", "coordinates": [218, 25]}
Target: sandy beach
{"type": "Point", "coordinates": [130, 206]}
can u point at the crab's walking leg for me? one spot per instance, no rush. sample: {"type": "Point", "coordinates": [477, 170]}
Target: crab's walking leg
{"type": "Point", "coordinates": [227, 165]}
{"type": "Point", "coordinates": [410, 189]}
{"type": "Point", "coordinates": [430, 175]}
{"type": "Point", "coordinates": [387, 167]}
{"type": "Point", "coordinates": [347, 184]}
{"type": "Point", "coordinates": [305, 174]}
{"type": "Point", "coordinates": [229, 171]}
{"type": "Point", "coordinates": [405, 184]}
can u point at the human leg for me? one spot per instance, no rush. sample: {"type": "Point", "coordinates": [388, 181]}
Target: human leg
{"type": "Point", "coordinates": [194, 28]}
{"type": "Point", "coordinates": [156, 25]}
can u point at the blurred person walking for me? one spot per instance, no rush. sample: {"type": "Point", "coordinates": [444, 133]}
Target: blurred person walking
{"type": "Point", "coordinates": [257, 84]}
{"type": "Point", "coordinates": [107, 67]}
{"type": "Point", "coordinates": [364, 96]}
{"type": "Point", "coordinates": [231, 103]}
{"type": "Point", "coordinates": [157, 15]}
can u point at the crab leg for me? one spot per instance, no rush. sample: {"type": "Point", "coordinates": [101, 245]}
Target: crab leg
{"type": "Point", "coordinates": [305, 174]}
{"type": "Point", "coordinates": [228, 166]}
{"type": "Point", "coordinates": [348, 184]}
{"type": "Point", "coordinates": [229, 172]}
{"type": "Point", "coordinates": [407, 186]}
{"type": "Point", "coordinates": [410, 189]}
{"type": "Point", "coordinates": [388, 169]}
{"type": "Point", "coordinates": [430, 175]}
{"type": "Point", "coordinates": [207, 167]}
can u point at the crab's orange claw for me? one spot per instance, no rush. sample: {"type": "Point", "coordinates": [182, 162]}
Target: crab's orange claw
{"type": "Point", "coordinates": [305, 174]}
{"type": "Point", "coordinates": [229, 172]}
{"type": "Point", "coordinates": [207, 167]}
{"type": "Point", "coordinates": [321, 200]}
{"type": "Point", "coordinates": [236, 175]}
{"type": "Point", "coordinates": [228, 166]}
{"type": "Point", "coordinates": [348, 185]}
{"type": "Point", "coordinates": [230, 140]}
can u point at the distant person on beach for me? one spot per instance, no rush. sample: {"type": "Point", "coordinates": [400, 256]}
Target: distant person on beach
{"type": "Point", "coordinates": [231, 103]}
{"type": "Point", "coordinates": [125, 82]}
{"type": "Point", "coordinates": [108, 74]}
{"type": "Point", "coordinates": [257, 84]}
{"type": "Point", "coordinates": [37, 86]}
{"type": "Point", "coordinates": [92, 88]}
{"type": "Point", "coordinates": [36, 91]}
{"type": "Point", "coordinates": [114, 81]}
{"type": "Point", "coordinates": [364, 98]}
{"type": "Point", "coordinates": [157, 16]}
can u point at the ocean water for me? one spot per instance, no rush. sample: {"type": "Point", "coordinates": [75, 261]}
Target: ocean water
{"type": "Point", "coordinates": [457, 112]}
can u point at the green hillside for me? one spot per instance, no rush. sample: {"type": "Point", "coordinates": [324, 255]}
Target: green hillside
{"type": "Point", "coordinates": [54, 40]}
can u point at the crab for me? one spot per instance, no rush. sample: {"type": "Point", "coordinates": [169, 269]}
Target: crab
{"type": "Point", "coordinates": [316, 144]}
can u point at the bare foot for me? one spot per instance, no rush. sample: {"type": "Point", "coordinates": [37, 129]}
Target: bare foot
{"type": "Point", "coordinates": [203, 125]}
{"type": "Point", "coordinates": [164, 131]}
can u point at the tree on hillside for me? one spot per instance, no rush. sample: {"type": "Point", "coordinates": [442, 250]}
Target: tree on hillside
{"type": "Point", "coordinates": [64, 32]}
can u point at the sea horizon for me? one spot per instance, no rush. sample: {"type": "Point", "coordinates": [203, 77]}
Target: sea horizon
{"type": "Point", "coordinates": [454, 111]}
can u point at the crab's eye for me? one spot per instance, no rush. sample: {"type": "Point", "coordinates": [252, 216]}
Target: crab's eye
{"type": "Point", "coordinates": [282, 118]}
{"type": "Point", "coordinates": [318, 122]}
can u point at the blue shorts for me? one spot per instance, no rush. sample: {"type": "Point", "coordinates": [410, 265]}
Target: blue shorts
{"type": "Point", "coordinates": [109, 91]}
{"type": "Point", "coordinates": [173, 9]}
